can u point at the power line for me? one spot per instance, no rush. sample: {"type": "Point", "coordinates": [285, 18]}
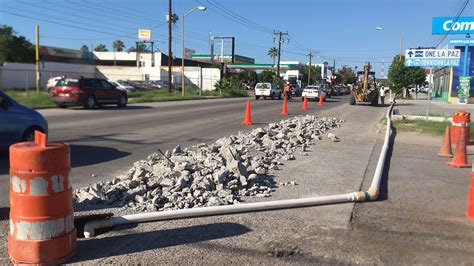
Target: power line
{"type": "Point", "coordinates": [236, 15]}
{"type": "Point", "coordinates": [455, 20]}
{"type": "Point", "coordinates": [55, 22]}
{"type": "Point", "coordinates": [100, 14]}
{"type": "Point", "coordinates": [222, 12]}
{"type": "Point", "coordinates": [39, 15]}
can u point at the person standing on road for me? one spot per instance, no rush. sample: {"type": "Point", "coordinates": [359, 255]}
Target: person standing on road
{"type": "Point", "coordinates": [287, 91]}
{"type": "Point", "coordinates": [382, 94]}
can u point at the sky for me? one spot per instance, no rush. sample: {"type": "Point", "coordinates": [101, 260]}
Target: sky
{"type": "Point", "coordinates": [335, 30]}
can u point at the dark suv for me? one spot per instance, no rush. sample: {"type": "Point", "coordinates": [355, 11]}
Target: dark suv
{"type": "Point", "coordinates": [88, 92]}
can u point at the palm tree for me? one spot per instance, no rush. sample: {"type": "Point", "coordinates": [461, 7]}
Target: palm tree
{"type": "Point", "coordinates": [101, 48]}
{"type": "Point", "coordinates": [273, 53]}
{"type": "Point", "coordinates": [84, 48]}
{"type": "Point", "coordinates": [118, 45]}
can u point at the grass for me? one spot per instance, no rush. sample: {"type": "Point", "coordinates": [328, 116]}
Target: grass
{"type": "Point", "coordinates": [435, 115]}
{"type": "Point", "coordinates": [425, 127]}
{"type": "Point", "coordinates": [42, 100]}
{"type": "Point", "coordinates": [31, 99]}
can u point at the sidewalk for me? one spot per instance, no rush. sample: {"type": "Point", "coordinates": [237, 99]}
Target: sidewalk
{"type": "Point", "coordinates": [436, 106]}
{"type": "Point", "coordinates": [420, 217]}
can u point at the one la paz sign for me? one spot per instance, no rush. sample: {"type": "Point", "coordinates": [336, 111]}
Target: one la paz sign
{"type": "Point", "coordinates": [432, 57]}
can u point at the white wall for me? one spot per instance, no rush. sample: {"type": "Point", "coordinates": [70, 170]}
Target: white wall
{"type": "Point", "coordinates": [20, 75]}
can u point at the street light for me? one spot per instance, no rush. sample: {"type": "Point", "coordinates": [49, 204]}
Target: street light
{"type": "Point", "coordinates": [401, 39]}
{"type": "Point", "coordinates": [202, 8]}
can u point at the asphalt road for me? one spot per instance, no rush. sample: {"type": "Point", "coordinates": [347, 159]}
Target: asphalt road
{"type": "Point", "coordinates": [105, 142]}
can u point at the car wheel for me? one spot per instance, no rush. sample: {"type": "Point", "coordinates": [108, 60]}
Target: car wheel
{"type": "Point", "coordinates": [272, 96]}
{"type": "Point", "coordinates": [90, 102]}
{"type": "Point", "coordinates": [279, 96]}
{"type": "Point", "coordinates": [122, 101]}
{"type": "Point", "coordinates": [29, 134]}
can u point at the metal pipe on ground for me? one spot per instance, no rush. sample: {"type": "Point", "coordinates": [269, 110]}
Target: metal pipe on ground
{"type": "Point", "coordinates": [371, 194]}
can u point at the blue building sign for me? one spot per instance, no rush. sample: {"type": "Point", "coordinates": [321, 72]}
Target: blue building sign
{"type": "Point", "coordinates": [449, 25]}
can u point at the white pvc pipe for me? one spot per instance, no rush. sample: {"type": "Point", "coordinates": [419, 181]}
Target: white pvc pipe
{"type": "Point", "coordinates": [381, 162]}
{"type": "Point", "coordinates": [90, 227]}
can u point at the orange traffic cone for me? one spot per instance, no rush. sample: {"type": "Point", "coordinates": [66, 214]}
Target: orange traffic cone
{"type": "Point", "coordinates": [470, 198]}
{"type": "Point", "coordinates": [320, 101]}
{"type": "Point", "coordinates": [460, 158]}
{"type": "Point", "coordinates": [445, 150]}
{"type": "Point", "coordinates": [284, 109]}
{"type": "Point", "coordinates": [305, 103]}
{"type": "Point", "coordinates": [248, 115]}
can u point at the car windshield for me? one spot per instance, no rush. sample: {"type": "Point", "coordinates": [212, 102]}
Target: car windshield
{"type": "Point", "coordinates": [68, 82]}
{"type": "Point", "coordinates": [262, 86]}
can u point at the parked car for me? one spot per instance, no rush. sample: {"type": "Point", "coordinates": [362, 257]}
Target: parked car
{"type": "Point", "coordinates": [296, 90]}
{"type": "Point", "coordinates": [313, 92]}
{"type": "Point", "coordinates": [88, 92]}
{"type": "Point", "coordinates": [18, 123]}
{"type": "Point", "coordinates": [52, 82]}
{"type": "Point", "coordinates": [345, 90]}
{"type": "Point", "coordinates": [123, 85]}
{"type": "Point", "coordinates": [267, 90]}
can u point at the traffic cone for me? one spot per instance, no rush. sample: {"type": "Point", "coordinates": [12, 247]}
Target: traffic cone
{"type": "Point", "coordinates": [305, 103]}
{"type": "Point", "coordinates": [284, 109]}
{"type": "Point", "coordinates": [445, 150]}
{"type": "Point", "coordinates": [320, 101]}
{"type": "Point", "coordinates": [248, 115]}
{"type": "Point", "coordinates": [460, 158]}
{"type": "Point", "coordinates": [470, 198]}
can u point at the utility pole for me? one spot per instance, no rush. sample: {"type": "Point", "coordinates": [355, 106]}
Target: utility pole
{"type": "Point", "coordinates": [309, 68]}
{"type": "Point", "coordinates": [170, 52]}
{"type": "Point", "coordinates": [280, 34]}
{"type": "Point", "coordinates": [37, 58]}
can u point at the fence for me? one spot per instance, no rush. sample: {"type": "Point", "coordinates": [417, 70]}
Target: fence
{"type": "Point", "coordinates": [23, 76]}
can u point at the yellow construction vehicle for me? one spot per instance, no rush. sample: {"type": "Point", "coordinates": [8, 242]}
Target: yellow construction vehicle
{"type": "Point", "coordinates": [365, 88]}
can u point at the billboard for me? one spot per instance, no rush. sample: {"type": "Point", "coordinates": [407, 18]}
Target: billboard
{"type": "Point", "coordinates": [144, 35]}
{"type": "Point", "coordinates": [449, 25]}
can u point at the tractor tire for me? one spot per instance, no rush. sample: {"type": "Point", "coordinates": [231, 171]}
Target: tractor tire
{"type": "Point", "coordinates": [352, 101]}
{"type": "Point", "coordinates": [375, 101]}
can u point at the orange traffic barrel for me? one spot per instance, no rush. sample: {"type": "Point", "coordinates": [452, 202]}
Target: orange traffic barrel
{"type": "Point", "coordinates": [41, 214]}
{"type": "Point", "coordinates": [460, 118]}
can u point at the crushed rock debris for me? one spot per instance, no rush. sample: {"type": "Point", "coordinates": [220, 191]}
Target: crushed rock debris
{"type": "Point", "coordinates": [211, 174]}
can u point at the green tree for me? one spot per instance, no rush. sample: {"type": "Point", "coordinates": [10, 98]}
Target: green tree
{"type": "Point", "coordinates": [118, 45]}
{"type": "Point", "coordinates": [84, 48]}
{"type": "Point", "coordinates": [346, 75]}
{"type": "Point", "coordinates": [101, 48]}
{"type": "Point", "coordinates": [417, 76]}
{"type": "Point", "coordinates": [14, 48]}
{"type": "Point", "coordinates": [315, 73]}
{"type": "Point", "coordinates": [273, 53]}
{"type": "Point", "coordinates": [141, 48]}
{"type": "Point", "coordinates": [248, 77]}
{"type": "Point", "coordinates": [401, 76]}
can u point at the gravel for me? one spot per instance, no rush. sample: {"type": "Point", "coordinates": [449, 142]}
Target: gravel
{"type": "Point", "coordinates": [211, 174]}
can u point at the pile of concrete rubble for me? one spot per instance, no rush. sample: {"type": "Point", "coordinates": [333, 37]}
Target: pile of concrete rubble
{"type": "Point", "coordinates": [211, 174]}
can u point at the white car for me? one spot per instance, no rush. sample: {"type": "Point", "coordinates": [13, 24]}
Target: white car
{"type": "Point", "coordinates": [52, 82]}
{"type": "Point", "coordinates": [313, 92]}
{"type": "Point", "coordinates": [267, 90]}
{"type": "Point", "coordinates": [123, 85]}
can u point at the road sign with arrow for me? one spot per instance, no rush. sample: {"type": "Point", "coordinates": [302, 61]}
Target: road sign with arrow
{"type": "Point", "coordinates": [432, 57]}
